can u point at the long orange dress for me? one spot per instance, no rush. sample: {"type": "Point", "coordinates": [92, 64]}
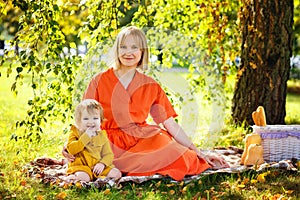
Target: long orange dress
{"type": "Point", "coordinates": [141, 148]}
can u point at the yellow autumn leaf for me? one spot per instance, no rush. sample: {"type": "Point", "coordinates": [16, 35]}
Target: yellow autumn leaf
{"type": "Point", "coordinates": [40, 197]}
{"type": "Point", "coordinates": [66, 186]}
{"type": "Point", "coordinates": [172, 192]}
{"type": "Point", "coordinates": [78, 185]}
{"type": "Point", "coordinates": [184, 189]}
{"type": "Point", "coordinates": [276, 197]}
{"type": "Point", "coordinates": [181, 183]}
{"type": "Point", "coordinates": [61, 195]}
{"type": "Point", "coordinates": [57, 181]}
{"type": "Point", "coordinates": [107, 191]}
{"type": "Point", "coordinates": [158, 184]}
{"type": "Point", "coordinates": [245, 181]}
{"type": "Point", "coordinates": [170, 184]}
{"type": "Point", "coordinates": [241, 186]}
{"type": "Point", "coordinates": [253, 181]}
{"type": "Point", "coordinates": [261, 178]}
{"type": "Point", "coordinates": [289, 191]}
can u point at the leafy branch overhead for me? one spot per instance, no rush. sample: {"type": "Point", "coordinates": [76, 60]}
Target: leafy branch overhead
{"type": "Point", "coordinates": [204, 37]}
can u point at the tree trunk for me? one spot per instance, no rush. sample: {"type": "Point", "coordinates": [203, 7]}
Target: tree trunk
{"type": "Point", "coordinates": [265, 60]}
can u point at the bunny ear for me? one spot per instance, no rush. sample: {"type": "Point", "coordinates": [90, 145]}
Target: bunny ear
{"type": "Point", "coordinates": [259, 116]}
{"type": "Point", "coordinates": [262, 116]}
{"type": "Point", "coordinates": [254, 117]}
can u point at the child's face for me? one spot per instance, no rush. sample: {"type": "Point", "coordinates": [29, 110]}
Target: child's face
{"type": "Point", "coordinates": [90, 120]}
{"type": "Point", "coordinates": [129, 52]}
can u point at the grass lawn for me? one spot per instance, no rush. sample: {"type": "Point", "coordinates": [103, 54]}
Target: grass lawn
{"type": "Point", "coordinates": [274, 184]}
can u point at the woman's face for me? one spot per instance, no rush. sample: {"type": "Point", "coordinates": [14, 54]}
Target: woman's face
{"type": "Point", "coordinates": [130, 52]}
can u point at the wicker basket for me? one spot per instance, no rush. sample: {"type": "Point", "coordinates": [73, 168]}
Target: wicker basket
{"type": "Point", "coordinates": [280, 142]}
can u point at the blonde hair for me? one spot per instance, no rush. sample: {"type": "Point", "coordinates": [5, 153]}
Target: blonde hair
{"type": "Point", "coordinates": [139, 35]}
{"type": "Point", "coordinates": [90, 105]}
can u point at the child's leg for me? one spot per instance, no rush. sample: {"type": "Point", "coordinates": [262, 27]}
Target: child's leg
{"type": "Point", "coordinates": [114, 173]}
{"type": "Point", "coordinates": [79, 176]}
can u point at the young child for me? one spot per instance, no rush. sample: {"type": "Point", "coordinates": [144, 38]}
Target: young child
{"type": "Point", "coordinates": [90, 146]}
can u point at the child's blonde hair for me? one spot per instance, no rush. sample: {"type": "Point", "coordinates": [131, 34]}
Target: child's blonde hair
{"type": "Point", "coordinates": [90, 105]}
{"type": "Point", "coordinates": [140, 37]}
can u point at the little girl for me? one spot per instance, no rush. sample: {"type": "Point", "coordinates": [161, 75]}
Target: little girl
{"type": "Point", "coordinates": [89, 145]}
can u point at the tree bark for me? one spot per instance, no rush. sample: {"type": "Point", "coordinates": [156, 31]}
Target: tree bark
{"type": "Point", "coordinates": [265, 60]}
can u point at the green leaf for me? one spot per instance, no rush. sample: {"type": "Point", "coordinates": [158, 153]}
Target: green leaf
{"type": "Point", "coordinates": [19, 69]}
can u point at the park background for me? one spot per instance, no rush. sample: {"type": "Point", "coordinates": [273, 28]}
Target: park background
{"type": "Point", "coordinates": [53, 48]}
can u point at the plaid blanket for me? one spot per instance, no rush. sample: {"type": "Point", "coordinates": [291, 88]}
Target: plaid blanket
{"type": "Point", "coordinates": [50, 170]}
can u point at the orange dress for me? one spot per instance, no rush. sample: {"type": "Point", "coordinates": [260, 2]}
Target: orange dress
{"type": "Point", "coordinates": [141, 148]}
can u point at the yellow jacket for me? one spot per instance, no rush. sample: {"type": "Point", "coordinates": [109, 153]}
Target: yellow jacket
{"type": "Point", "coordinates": [88, 151]}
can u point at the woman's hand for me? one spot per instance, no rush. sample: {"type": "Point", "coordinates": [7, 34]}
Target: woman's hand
{"type": "Point", "coordinates": [66, 154]}
{"type": "Point", "coordinates": [215, 160]}
{"type": "Point", "coordinates": [98, 168]}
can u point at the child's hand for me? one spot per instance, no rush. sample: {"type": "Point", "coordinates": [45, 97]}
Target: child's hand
{"type": "Point", "coordinates": [98, 168]}
{"type": "Point", "coordinates": [90, 132]}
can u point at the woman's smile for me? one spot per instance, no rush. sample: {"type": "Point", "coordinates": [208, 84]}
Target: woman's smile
{"type": "Point", "coordinates": [130, 52]}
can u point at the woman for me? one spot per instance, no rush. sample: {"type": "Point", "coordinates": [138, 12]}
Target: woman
{"type": "Point", "coordinates": [128, 97]}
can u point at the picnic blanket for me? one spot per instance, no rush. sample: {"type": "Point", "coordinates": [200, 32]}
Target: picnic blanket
{"type": "Point", "coordinates": [50, 170]}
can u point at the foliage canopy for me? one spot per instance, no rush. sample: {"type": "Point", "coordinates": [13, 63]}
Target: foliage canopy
{"type": "Point", "coordinates": [200, 35]}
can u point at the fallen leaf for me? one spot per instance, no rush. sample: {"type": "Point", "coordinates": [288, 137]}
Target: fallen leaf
{"type": "Point", "coordinates": [276, 197]}
{"type": "Point", "coordinates": [261, 178]}
{"type": "Point", "coordinates": [172, 192]}
{"type": "Point", "coordinates": [170, 185]}
{"type": "Point", "coordinates": [23, 182]}
{"type": "Point", "coordinates": [158, 184]}
{"type": "Point", "coordinates": [66, 186]}
{"type": "Point", "coordinates": [125, 192]}
{"type": "Point", "coordinates": [61, 195]}
{"type": "Point", "coordinates": [40, 197]}
{"type": "Point", "coordinates": [184, 189]}
{"type": "Point", "coordinates": [181, 183]}
{"type": "Point", "coordinates": [197, 196]}
{"type": "Point", "coordinates": [254, 181]}
{"type": "Point", "coordinates": [78, 185]}
{"type": "Point", "coordinates": [289, 191]}
{"type": "Point", "coordinates": [107, 191]}
{"type": "Point", "coordinates": [245, 181]}
{"type": "Point", "coordinates": [38, 176]}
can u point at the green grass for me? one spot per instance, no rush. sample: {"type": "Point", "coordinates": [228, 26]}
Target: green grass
{"type": "Point", "coordinates": [15, 154]}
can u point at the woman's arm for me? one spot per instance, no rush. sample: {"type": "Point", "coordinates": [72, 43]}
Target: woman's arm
{"type": "Point", "coordinates": [180, 136]}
